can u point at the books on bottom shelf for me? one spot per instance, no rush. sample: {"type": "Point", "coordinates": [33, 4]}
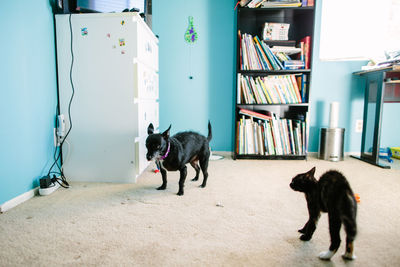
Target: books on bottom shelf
{"type": "Point", "coordinates": [260, 134]}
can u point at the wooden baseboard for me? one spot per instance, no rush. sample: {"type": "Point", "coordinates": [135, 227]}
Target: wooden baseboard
{"type": "Point", "coordinates": [18, 200]}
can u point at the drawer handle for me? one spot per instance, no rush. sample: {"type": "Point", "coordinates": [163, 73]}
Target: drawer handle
{"type": "Point", "coordinates": [148, 47]}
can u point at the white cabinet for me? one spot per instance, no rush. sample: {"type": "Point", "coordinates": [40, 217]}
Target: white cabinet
{"type": "Point", "coordinates": [115, 94]}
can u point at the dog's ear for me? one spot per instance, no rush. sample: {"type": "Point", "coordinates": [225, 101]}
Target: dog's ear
{"type": "Point", "coordinates": [166, 133]}
{"type": "Point", "coordinates": [150, 129]}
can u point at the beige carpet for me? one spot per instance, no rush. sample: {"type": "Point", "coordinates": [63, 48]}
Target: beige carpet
{"type": "Point", "coordinates": [246, 216]}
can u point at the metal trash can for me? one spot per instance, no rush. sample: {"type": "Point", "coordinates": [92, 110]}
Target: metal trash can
{"type": "Point", "coordinates": [331, 144]}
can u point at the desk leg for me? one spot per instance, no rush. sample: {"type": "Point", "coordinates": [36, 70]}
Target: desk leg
{"type": "Point", "coordinates": [373, 106]}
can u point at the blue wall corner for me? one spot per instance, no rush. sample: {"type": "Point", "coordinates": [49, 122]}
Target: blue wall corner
{"type": "Point", "coordinates": [28, 94]}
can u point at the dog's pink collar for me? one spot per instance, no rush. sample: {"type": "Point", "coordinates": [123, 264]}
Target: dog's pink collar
{"type": "Point", "coordinates": [166, 153]}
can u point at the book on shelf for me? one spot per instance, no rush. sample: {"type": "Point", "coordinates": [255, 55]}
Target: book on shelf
{"type": "Point", "coordinates": [267, 134]}
{"type": "Point", "coordinates": [266, 63]}
{"type": "Point", "coordinates": [288, 50]}
{"type": "Point", "coordinates": [276, 31]}
{"type": "Point", "coordinates": [281, 3]}
{"type": "Point", "coordinates": [302, 83]}
{"type": "Point", "coordinates": [306, 50]}
{"type": "Point", "coordinates": [255, 3]}
{"type": "Point", "coordinates": [293, 64]}
{"type": "Point", "coordinates": [254, 114]}
{"type": "Point", "coordinates": [271, 89]}
{"type": "Point", "coordinates": [243, 2]}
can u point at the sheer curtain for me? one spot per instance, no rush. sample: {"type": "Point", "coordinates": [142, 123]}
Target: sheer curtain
{"type": "Point", "coordinates": [359, 29]}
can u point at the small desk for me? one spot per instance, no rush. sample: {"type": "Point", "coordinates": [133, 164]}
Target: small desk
{"type": "Point", "coordinates": [382, 85]}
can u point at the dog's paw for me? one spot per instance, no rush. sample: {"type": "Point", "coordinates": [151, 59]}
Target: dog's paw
{"type": "Point", "coordinates": [326, 255]}
{"type": "Point", "coordinates": [180, 193]}
{"type": "Point", "coordinates": [349, 256]}
{"type": "Point", "coordinates": [163, 187]}
{"type": "Point", "coordinates": [195, 179]}
{"type": "Point", "coordinates": [202, 185]}
{"type": "Point", "coordinates": [301, 230]}
{"type": "Point", "coordinates": [305, 237]}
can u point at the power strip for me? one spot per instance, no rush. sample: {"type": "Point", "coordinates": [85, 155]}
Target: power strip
{"type": "Point", "coordinates": [49, 190]}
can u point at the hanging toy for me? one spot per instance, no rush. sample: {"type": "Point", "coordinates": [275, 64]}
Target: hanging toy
{"type": "Point", "coordinates": [191, 34]}
{"type": "Point", "coordinates": [190, 38]}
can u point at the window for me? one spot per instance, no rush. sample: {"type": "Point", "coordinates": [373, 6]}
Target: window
{"type": "Point", "coordinates": [359, 29]}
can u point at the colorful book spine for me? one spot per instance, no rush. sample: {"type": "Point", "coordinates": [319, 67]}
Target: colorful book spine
{"type": "Point", "coordinates": [295, 88]}
{"type": "Point", "coordinates": [268, 65]}
{"type": "Point", "coordinates": [307, 51]}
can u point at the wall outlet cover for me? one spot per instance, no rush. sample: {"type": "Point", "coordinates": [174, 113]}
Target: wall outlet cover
{"type": "Point", "coordinates": [359, 126]}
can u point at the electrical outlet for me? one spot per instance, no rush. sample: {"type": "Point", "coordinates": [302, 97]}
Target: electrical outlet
{"type": "Point", "coordinates": [57, 139]}
{"type": "Point", "coordinates": [359, 126]}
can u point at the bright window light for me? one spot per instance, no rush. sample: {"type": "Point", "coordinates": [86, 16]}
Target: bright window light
{"type": "Point", "coordinates": [359, 29]}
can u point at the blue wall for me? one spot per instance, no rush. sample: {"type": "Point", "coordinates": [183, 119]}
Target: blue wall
{"type": "Point", "coordinates": [186, 103]}
{"type": "Point", "coordinates": [28, 94]}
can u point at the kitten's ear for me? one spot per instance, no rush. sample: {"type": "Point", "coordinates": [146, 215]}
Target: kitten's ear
{"type": "Point", "coordinates": [311, 172]}
{"type": "Point", "coordinates": [150, 129]}
{"type": "Point", "coordinates": [166, 133]}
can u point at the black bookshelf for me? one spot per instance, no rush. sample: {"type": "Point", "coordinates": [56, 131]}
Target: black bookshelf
{"type": "Point", "coordinates": [251, 21]}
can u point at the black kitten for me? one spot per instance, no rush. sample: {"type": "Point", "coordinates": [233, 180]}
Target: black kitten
{"type": "Point", "coordinates": [332, 194]}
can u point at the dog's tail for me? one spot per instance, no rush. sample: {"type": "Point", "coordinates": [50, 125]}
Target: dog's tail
{"type": "Point", "coordinates": [209, 132]}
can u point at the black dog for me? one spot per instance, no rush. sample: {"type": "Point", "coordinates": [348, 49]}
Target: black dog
{"type": "Point", "coordinates": [173, 153]}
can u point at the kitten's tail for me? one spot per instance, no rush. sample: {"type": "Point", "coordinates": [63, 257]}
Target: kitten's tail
{"type": "Point", "coordinates": [209, 132]}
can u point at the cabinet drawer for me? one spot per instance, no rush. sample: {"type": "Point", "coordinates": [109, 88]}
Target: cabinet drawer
{"type": "Point", "coordinates": [145, 82]}
{"type": "Point", "coordinates": [147, 113]}
{"type": "Point", "coordinates": [146, 47]}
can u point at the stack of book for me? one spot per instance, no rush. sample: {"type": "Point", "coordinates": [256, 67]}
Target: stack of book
{"type": "Point", "coordinates": [272, 89]}
{"type": "Point", "coordinates": [289, 55]}
{"type": "Point", "coordinates": [261, 134]}
{"type": "Point", "coordinates": [256, 55]}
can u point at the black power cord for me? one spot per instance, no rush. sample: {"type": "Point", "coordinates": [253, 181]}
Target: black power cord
{"type": "Point", "coordinates": [63, 181]}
